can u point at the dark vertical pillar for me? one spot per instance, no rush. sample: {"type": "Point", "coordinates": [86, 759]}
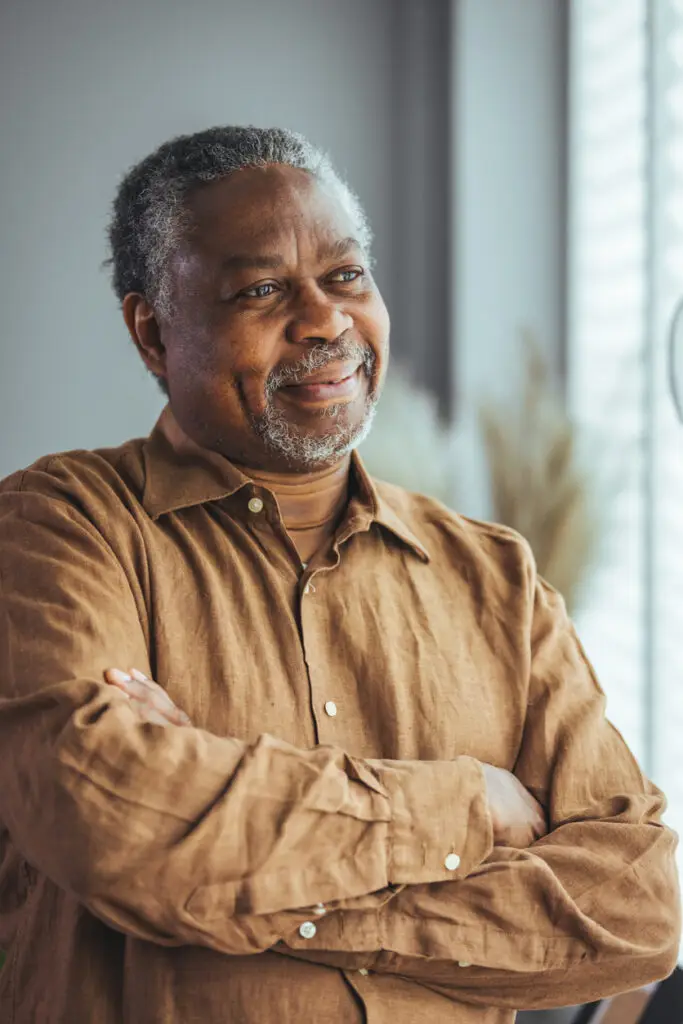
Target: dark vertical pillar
{"type": "Point", "coordinates": [422, 190]}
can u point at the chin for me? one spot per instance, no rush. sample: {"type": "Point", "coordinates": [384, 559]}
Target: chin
{"type": "Point", "coordinates": [306, 449]}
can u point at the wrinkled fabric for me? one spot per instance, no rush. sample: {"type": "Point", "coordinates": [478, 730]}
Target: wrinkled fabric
{"type": "Point", "coordinates": [283, 858]}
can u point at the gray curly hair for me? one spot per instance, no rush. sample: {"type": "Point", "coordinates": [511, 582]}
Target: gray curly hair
{"type": "Point", "coordinates": [149, 213]}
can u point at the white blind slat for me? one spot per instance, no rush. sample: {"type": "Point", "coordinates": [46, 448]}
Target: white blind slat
{"type": "Point", "coordinates": [625, 281]}
{"type": "Point", "coordinates": [607, 304]}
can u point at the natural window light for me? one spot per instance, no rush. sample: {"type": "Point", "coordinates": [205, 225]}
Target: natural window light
{"type": "Point", "coordinates": [626, 280]}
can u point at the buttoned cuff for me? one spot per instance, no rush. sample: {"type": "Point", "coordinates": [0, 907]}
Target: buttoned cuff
{"type": "Point", "coordinates": [441, 827]}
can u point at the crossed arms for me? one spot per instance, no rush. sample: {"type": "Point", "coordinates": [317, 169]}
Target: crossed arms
{"type": "Point", "coordinates": [100, 801]}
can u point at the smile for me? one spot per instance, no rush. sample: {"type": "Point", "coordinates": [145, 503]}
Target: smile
{"type": "Point", "coordinates": [323, 391]}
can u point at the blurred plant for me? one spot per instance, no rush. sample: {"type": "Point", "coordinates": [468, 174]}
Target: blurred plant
{"type": "Point", "coordinates": [538, 485]}
{"type": "Point", "coordinates": [537, 482]}
{"type": "Point", "coordinates": [409, 445]}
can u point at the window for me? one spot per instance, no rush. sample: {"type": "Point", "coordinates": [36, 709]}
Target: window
{"type": "Point", "coordinates": [625, 283]}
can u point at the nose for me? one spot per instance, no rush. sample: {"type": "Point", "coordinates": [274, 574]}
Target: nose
{"type": "Point", "coordinates": [317, 319]}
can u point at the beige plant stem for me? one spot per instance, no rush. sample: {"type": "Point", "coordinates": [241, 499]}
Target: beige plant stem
{"type": "Point", "coordinates": [537, 483]}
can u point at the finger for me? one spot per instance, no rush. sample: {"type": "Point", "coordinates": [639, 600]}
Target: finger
{"type": "Point", "coordinates": [129, 679]}
{"type": "Point", "coordinates": [148, 695]}
{"type": "Point", "coordinates": [151, 715]}
{"type": "Point", "coordinates": [535, 808]}
{"type": "Point", "coordinates": [148, 711]}
{"type": "Point", "coordinates": [539, 823]}
{"type": "Point", "coordinates": [170, 716]}
{"type": "Point", "coordinates": [146, 683]}
{"type": "Point", "coordinates": [174, 715]}
{"type": "Point", "coordinates": [116, 677]}
{"type": "Point", "coordinates": [182, 718]}
{"type": "Point", "coordinates": [154, 689]}
{"type": "Point", "coordinates": [143, 689]}
{"type": "Point", "coordinates": [138, 683]}
{"type": "Point", "coordinates": [136, 691]}
{"type": "Point", "coordinates": [145, 680]}
{"type": "Point", "coordinates": [540, 828]}
{"type": "Point", "coordinates": [133, 687]}
{"type": "Point", "coordinates": [161, 698]}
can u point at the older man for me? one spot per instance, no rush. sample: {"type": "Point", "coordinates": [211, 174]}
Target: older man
{"type": "Point", "coordinates": [260, 713]}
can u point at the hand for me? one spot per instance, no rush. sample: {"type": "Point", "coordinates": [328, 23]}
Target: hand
{"type": "Point", "coordinates": [149, 699]}
{"type": "Point", "coordinates": [518, 818]}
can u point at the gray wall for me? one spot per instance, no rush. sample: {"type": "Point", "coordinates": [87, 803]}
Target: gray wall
{"type": "Point", "coordinates": [409, 96]}
{"type": "Point", "coordinates": [88, 89]}
{"type": "Point", "coordinates": [509, 85]}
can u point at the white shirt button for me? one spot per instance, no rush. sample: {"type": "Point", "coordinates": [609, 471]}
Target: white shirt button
{"type": "Point", "coordinates": [319, 908]}
{"type": "Point", "coordinates": [307, 930]}
{"type": "Point", "coordinates": [452, 862]}
{"type": "Point", "coordinates": [330, 708]}
{"type": "Point", "coordinates": [364, 971]}
{"type": "Point", "coordinates": [464, 963]}
{"type": "Point", "coordinates": [255, 505]}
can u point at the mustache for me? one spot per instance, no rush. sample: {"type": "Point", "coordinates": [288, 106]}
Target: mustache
{"type": "Point", "coordinates": [319, 357]}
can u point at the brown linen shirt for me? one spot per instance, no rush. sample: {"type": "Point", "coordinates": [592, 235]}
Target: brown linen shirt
{"type": "Point", "coordinates": [317, 846]}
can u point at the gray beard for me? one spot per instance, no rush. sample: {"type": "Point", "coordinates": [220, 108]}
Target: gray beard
{"type": "Point", "coordinates": [289, 441]}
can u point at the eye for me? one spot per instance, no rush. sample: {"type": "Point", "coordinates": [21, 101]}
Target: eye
{"type": "Point", "coordinates": [347, 276]}
{"type": "Point", "coordinates": [260, 291]}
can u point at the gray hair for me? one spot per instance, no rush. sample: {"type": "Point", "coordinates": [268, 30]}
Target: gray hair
{"type": "Point", "coordinates": [150, 216]}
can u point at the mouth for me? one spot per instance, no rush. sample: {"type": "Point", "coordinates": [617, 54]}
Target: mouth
{"type": "Point", "coordinates": [324, 387]}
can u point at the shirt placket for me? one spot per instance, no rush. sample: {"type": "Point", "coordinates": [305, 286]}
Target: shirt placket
{"type": "Point", "coordinates": [328, 703]}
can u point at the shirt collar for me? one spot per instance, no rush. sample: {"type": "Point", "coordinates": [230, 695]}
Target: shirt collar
{"type": "Point", "coordinates": [179, 473]}
{"type": "Point", "coordinates": [374, 507]}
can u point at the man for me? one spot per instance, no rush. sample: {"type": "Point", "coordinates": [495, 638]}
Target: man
{"type": "Point", "coordinates": [261, 713]}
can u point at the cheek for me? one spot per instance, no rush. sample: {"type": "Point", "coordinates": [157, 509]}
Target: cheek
{"type": "Point", "coordinates": [376, 328]}
{"type": "Point", "coordinates": [204, 353]}
{"type": "Point", "coordinates": [238, 381]}
{"type": "Point", "coordinates": [251, 387]}
{"type": "Point", "coordinates": [190, 348]}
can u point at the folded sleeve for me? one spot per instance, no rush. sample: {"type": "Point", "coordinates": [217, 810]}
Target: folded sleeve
{"type": "Point", "coordinates": [174, 835]}
{"type": "Point", "coordinates": [591, 909]}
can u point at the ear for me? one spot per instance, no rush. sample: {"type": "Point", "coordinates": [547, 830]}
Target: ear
{"type": "Point", "coordinates": [143, 328]}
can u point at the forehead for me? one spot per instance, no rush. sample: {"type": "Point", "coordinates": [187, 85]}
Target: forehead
{"type": "Point", "coordinates": [257, 209]}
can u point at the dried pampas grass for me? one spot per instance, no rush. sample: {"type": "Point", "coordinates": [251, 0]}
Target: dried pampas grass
{"type": "Point", "coordinates": [534, 475]}
{"type": "Point", "coordinates": [409, 445]}
{"type": "Point", "coordinates": [538, 486]}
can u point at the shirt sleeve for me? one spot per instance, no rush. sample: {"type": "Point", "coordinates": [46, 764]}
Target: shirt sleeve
{"type": "Point", "coordinates": [591, 909]}
{"type": "Point", "coordinates": [177, 835]}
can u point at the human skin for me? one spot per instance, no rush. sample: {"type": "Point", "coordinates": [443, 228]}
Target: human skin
{"type": "Point", "coordinates": [240, 315]}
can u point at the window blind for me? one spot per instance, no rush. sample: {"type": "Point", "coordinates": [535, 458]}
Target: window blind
{"type": "Point", "coordinates": [607, 311]}
{"type": "Point", "coordinates": [625, 284]}
{"type": "Point", "coordinates": [667, 432]}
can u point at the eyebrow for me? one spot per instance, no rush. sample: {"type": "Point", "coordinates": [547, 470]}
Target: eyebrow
{"type": "Point", "coordinates": [273, 261]}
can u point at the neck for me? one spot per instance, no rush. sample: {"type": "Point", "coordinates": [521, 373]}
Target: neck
{"type": "Point", "coordinates": [311, 500]}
